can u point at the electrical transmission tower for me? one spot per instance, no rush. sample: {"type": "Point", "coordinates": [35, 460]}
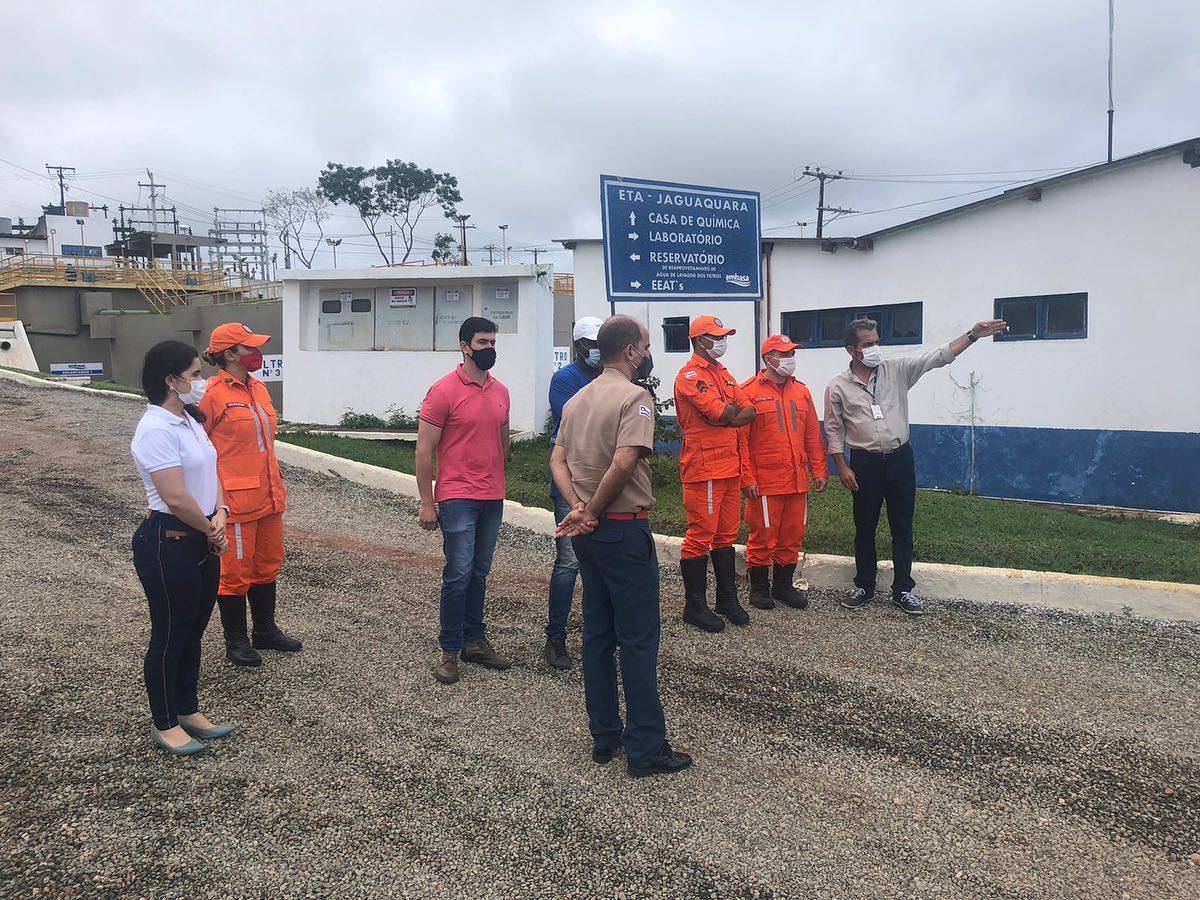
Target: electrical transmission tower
{"type": "Point", "coordinates": [245, 249]}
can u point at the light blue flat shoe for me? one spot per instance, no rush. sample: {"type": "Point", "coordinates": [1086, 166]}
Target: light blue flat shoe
{"type": "Point", "coordinates": [208, 734]}
{"type": "Point", "coordinates": [191, 748]}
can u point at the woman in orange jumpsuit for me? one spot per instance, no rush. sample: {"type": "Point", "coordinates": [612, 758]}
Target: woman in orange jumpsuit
{"type": "Point", "coordinates": [240, 421]}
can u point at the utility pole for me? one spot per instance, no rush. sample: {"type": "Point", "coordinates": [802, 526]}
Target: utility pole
{"type": "Point", "coordinates": [153, 199]}
{"type": "Point", "coordinates": [822, 176]}
{"type": "Point", "coordinates": [334, 244]}
{"type": "Point", "coordinates": [802, 225]}
{"type": "Point", "coordinates": [491, 252]}
{"type": "Point", "coordinates": [504, 244]}
{"type": "Point", "coordinates": [392, 244]}
{"type": "Point", "coordinates": [462, 230]}
{"type": "Point", "coordinates": [62, 185]}
{"type": "Point", "coordinates": [535, 251]}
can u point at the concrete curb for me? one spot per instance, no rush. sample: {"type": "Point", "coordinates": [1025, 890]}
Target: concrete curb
{"type": "Point", "coordinates": [1055, 590]}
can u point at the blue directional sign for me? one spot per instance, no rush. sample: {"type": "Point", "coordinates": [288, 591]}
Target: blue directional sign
{"type": "Point", "coordinates": [666, 241]}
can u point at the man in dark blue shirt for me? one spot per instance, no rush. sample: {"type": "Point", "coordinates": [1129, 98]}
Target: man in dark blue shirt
{"type": "Point", "coordinates": [563, 386]}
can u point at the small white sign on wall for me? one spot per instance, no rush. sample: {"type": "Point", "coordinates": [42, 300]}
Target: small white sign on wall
{"type": "Point", "coordinates": [399, 298]}
{"type": "Point", "coordinates": [272, 368]}
{"type": "Point", "coordinates": [562, 357]}
{"type": "Point", "coordinates": [78, 369]}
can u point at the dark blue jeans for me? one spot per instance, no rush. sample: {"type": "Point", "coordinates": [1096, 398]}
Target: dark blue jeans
{"type": "Point", "coordinates": [620, 609]}
{"type": "Point", "coordinates": [469, 532]}
{"type": "Point", "coordinates": [889, 478]}
{"type": "Point", "coordinates": [180, 579]}
{"type": "Point", "coordinates": [562, 577]}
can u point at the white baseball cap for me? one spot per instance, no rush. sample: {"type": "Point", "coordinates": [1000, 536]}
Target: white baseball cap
{"type": "Point", "coordinates": [586, 328]}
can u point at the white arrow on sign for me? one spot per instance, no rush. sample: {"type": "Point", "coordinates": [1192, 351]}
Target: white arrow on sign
{"type": "Point", "coordinates": [635, 256]}
{"type": "Point", "coordinates": [633, 235]}
{"type": "Point", "coordinates": [635, 284]}
{"type": "Point", "coordinates": [632, 219]}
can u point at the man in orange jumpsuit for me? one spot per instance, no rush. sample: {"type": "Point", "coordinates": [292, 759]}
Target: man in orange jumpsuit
{"type": "Point", "coordinates": [240, 420]}
{"type": "Point", "coordinates": [710, 406]}
{"type": "Point", "coordinates": [783, 444]}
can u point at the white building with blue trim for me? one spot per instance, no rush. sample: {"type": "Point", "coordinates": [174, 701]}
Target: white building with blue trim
{"type": "Point", "coordinates": [1087, 400]}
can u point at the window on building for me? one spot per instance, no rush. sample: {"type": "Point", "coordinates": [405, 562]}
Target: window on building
{"type": "Point", "coordinates": [1049, 317]}
{"type": "Point", "coordinates": [331, 307]}
{"type": "Point", "coordinates": [360, 304]}
{"type": "Point", "coordinates": [675, 334]}
{"type": "Point", "coordinates": [899, 323]}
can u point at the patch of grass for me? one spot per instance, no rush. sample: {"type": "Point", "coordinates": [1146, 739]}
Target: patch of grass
{"type": "Point", "coordinates": [98, 385]}
{"type": "Point", "coordinates": [950, 528]}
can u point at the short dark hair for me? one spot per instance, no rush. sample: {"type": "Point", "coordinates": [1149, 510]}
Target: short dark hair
{"type": "Point", "coordinates": [474, 325]}
{"type": "Point", "coordinates": [617, 333]}
{"type": "Point", "coordinates": [857, 327]}
{"type": "Point", "coordinates": [163, 359]}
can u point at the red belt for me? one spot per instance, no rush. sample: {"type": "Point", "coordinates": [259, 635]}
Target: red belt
{"type": "Point", "coordinates": [627, 517]}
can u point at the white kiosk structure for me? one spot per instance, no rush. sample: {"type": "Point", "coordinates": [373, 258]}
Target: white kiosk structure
{"type": "Point", "coordinates": [374, 340]}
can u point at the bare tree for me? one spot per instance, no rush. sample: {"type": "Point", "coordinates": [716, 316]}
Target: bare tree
{"type": "Point", "coordinates": [289, 213]}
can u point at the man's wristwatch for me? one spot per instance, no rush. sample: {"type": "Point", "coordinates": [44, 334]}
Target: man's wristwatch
{"type": "Point", "coordinates": [972, 337]}
{"type": "Point", "coordinates": [219, 508]}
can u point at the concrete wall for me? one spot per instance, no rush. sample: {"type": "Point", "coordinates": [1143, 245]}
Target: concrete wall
{"type": "Point", "coordinates": [1107, 419]}
{"type": "Point", "coordinates": [116, 328]}
{"type": "Point", "coordinates": [324, 384]}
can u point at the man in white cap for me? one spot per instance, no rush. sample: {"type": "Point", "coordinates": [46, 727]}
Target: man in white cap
{"type": "Point", "coordinates": [563, 386]}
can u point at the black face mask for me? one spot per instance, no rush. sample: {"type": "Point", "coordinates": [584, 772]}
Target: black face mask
{"type": "Point", "coordinates": [484, 359]}
{"type": "Point", "coordinates": [645, 367]}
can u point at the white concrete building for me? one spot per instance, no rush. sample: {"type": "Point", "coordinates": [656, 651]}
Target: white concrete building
{"type": "Point", "coordinates": [373, 340]}
{"type": "Point", "coordinates": [1085, 401]}
{"type": "Point", "coordinates": [59, 234]}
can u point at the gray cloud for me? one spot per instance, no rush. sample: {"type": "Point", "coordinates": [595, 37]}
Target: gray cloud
{"type": "Point", "coordinates": [528, 103]}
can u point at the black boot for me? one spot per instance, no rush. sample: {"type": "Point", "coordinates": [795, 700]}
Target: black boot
{"type": "Point", "coordinates": [760, 587]}
{"type": "Point", "coordinates": [724, 562]}
{"type": "Point", "coordinates": [267, 635]}
{"type": "Point", "coordinates": [784, 591]}
{"type": "Point", "coordinates": [695, 595]}
{"type": "Point", "coordinates": [233, 623]}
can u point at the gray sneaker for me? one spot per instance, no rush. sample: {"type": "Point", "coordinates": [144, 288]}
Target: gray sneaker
{"type": "Point", "coordinates": [858, 597]}
{"type": "Point", "coordinates": [909, 603]}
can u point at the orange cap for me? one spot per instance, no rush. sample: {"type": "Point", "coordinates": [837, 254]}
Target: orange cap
{"type": "Point", "coordinates": [709, 325]}
{"type": "Point", "coordinates": [233, 333]}
{"type": "Point", "coordinates": [780, 342]}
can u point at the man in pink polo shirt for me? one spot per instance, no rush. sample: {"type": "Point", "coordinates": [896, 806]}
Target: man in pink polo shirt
{"type": "Point", "coordinates": [464, 417]}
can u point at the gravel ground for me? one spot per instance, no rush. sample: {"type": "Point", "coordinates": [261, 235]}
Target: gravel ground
{"type": "Point", "coordinates": [981, 751]}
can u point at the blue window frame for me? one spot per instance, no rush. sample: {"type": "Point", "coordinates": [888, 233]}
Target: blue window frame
{"type": "Point", "coordinates": [899, 323]}
{"type": "Point", "coordinates": [1043, 317]}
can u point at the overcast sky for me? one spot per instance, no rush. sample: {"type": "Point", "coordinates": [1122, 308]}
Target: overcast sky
{"type": "Point", "coordinates": [528, 103]}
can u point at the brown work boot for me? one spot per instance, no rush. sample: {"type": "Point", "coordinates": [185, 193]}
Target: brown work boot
{"type": "Point", "coordinates": [482, 653]}
{"type": "Point", "coordinates": [446, 671]}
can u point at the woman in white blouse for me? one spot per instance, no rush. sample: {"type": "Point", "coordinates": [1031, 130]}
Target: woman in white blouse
{"type": "Point", "coordinates": [177, 548]}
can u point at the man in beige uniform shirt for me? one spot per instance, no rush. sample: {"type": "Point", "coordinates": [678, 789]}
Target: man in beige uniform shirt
{"type": "Point", "coordinates": [599, 466]}
{"type": "Point", "coordinates": [866, 416]}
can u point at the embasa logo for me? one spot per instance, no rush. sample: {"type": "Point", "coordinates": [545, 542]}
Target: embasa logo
{"type": "Point", "coordinates": [739, 280]}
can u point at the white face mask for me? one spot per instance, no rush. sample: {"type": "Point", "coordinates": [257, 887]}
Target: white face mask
{"type": "Point", "coordinates": [785, 366]}
{"type": "Point", "coordinates": [872, 356]}
{"type": "Point", "coordinates": [196, 394]}
{"type": "Point", "coordinates": [717, 350]}
{"type": "Point", "coordinates": [593, 357]}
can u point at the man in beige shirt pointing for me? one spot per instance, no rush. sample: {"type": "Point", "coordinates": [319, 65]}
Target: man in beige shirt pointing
{"type": "Point", "coordinates": [866, 419]}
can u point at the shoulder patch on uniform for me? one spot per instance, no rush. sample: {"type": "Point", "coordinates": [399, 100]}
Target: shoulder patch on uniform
{"type": "Point", "coordinates": [690, 373]}
{"type": "Point", "coordinates": [644, 410]}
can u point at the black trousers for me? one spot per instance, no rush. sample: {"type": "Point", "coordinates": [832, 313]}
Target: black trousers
{"type": "Point", "coordinates": [180, 579]}
{"type": "Point", "coordinates": [621, 609]}
{"type": "Point", "coordinates": [889, 478]}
